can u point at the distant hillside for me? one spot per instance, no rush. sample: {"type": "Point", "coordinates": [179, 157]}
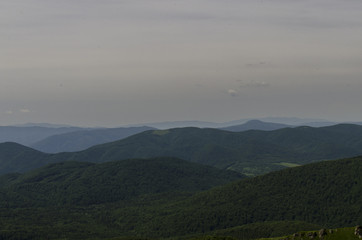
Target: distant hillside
{"type": "Point", "coordinates": [29, 135]}
{"type": "Point", "coordinates": [18, 158]}
{"type": "Point", "coordinates": [256, 125]}
{"type": "Point", "coordinates": [80, 140]}
{"type": "Point", "coordinates": [83, 184]}
{"type": "Point", "coordinates": [251, 152]}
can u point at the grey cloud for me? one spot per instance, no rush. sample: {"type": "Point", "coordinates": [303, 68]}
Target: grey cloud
{"type": "Point", "coordinates": [24, 110]}
{"type": "Point", "coordinates": [261, 64]}
{"type": "Point", "coordinates": [233, 92]}
{"type": "Point", "coordinates": [253, 83]}
{"type": "Point", "coordinates": [120, 55]}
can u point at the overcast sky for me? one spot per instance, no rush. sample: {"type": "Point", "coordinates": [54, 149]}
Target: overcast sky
{"type": "Point", "coordinates": [115, 62]}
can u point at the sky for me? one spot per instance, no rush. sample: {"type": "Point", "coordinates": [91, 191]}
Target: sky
{"type": "Point", "coordinates": [115, 62]}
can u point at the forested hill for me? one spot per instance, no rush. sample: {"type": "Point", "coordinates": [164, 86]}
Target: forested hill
{"type": "Point", "coordinates": [328, 194]}
{"type": "Point", "coordinates": [250, 152]}
{"type": "Point", "coordinates": [81, 184]}
{"type": "Point", "coordinates": [79, 204]}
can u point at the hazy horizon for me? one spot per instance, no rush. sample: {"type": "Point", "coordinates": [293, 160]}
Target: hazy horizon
{"type": "Point", "coordinates": [117, 62]}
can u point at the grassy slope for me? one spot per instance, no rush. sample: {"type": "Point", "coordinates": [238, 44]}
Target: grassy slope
{"type": "Point", "coordinates": [264, 229]}
{"type": "Point", "coordinates": [332, 234]}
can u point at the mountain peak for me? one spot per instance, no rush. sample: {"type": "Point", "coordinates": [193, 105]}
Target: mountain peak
{"type": "Point", "coordinates": [256, 125]}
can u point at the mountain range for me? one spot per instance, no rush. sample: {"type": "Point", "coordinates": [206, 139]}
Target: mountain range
{"type": "Point", "coordinates": [83, 139]}
{"type": "Point", "coordinates": [249, 152]}
{"type": "Point", "coordinates": [203, 124]}
{"type": "Point", "coordinates": [55, 138]}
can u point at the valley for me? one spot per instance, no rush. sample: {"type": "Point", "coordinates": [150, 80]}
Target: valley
{"type": "Point", "coordinates": [186, 183]}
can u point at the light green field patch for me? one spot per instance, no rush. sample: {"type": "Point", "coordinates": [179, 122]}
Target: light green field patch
{"type": "Point", "coordinates": [160, 132]}
{"type": "Point", "coordinates": [286, 164]}
{"type": "Point", "coordinates": [332, 234]}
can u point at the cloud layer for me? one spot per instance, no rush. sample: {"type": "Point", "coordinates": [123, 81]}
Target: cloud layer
{"type": "Point", "coordinates": [113, 62]}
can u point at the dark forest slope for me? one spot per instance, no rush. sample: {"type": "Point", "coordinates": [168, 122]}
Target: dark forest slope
{"type": "Point", "coordinates": [326, 194]}
{"type": "Point", "coordinates": [80, 183]}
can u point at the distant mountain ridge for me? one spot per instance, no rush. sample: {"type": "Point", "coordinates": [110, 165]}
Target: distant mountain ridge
{"type": "Point", "coordinates": [46, 125]}
{"type": "Point", "coordinates": [30, 135]}
{"type": "Point", "coordinates": [42, 136]}
{"type": "Point", "coordinates": [293, 121]}
{"type": "Point", "coordinates": [256, 125]}
{"type": "Point", "coordinates": [83, 139]}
